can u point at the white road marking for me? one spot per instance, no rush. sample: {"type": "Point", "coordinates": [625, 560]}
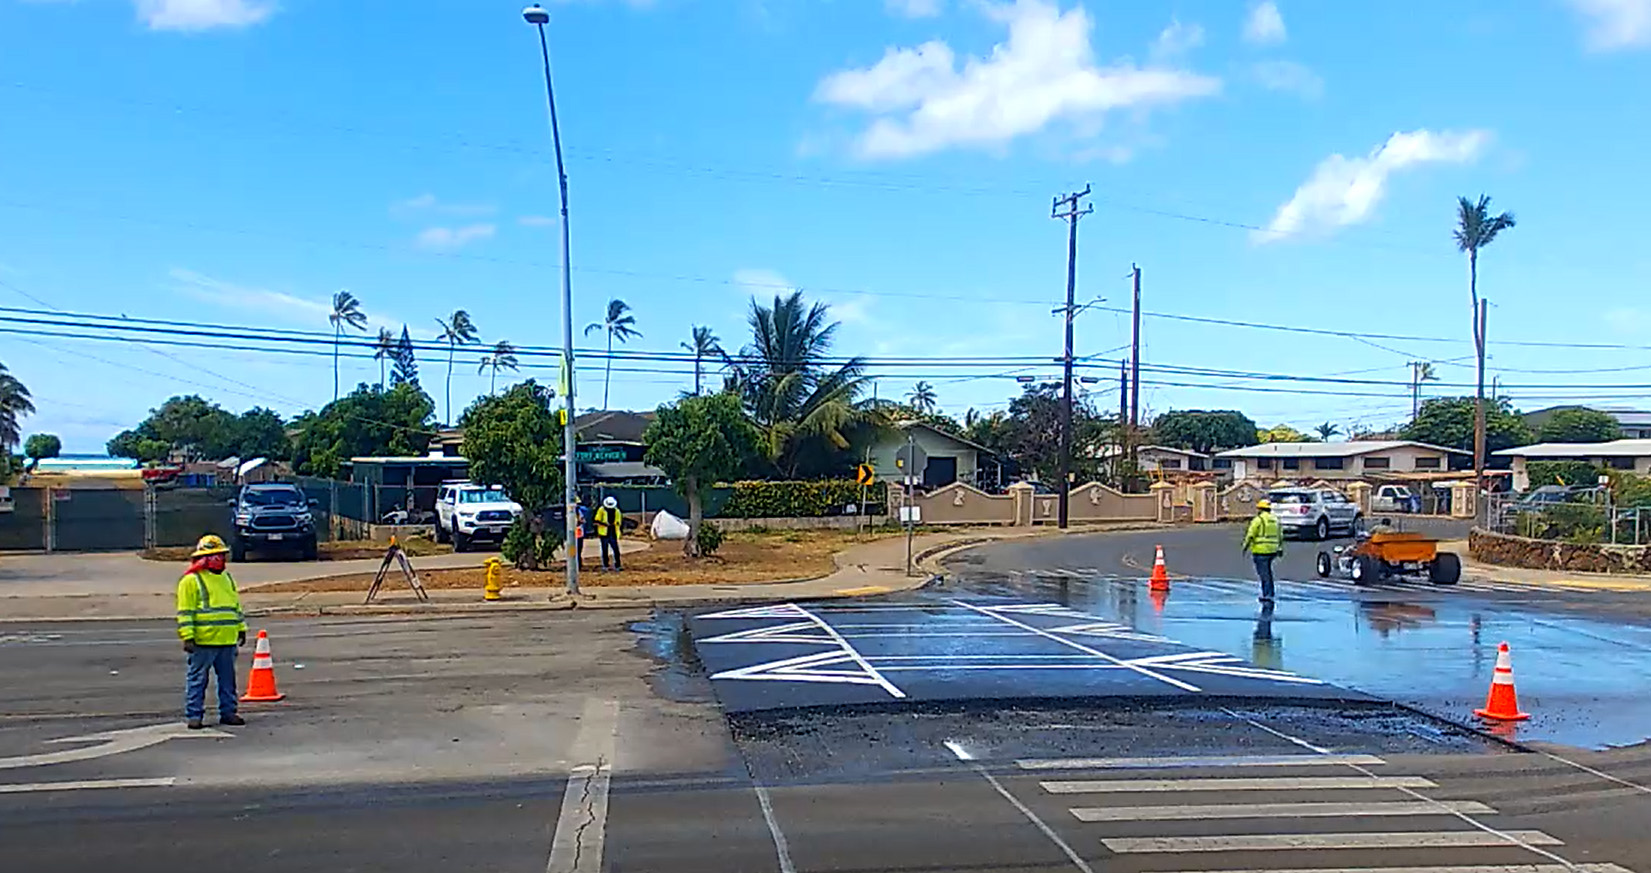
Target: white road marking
{"type": "Point", "coordinates": [890, 687]}
{"type": "Point", "coordinates": [582, 825]}
{"type": "Point", "coordinates": [1212, 761]}
{"type": "Point", "coordinates": [1467, 868]}
{"type": "Point", "coordinates": [87, 784]}
{"type": "Point", "coordinates": [1329, 809]}
{"type": "Point", "coordinates": [1603, 775]}
{"type": "Point", "coordinates": [1043, 826]}
{"type": "Point", "coordinates": [1080, 647]}
{"type": "Point", "coordinates": [1280, 734]}
{"type": "Point", "coordinates": [957, 749]}
{"type": "Point", "coordinates": [108, 743]}
{"type": "Point", "coordinates": [782, 849]}
{"type": "Point", "coordinates": [1280, 842]}
{"type": "Point", "coordinates": [1270, 783]}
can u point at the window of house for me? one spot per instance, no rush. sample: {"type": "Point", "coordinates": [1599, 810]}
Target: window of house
{"type": "Point", "coordinates": [1195, 463]}
{"type": "Point", "coordinates": [1427, 463]}
{"type": "Point", "coordinates": [1620, 463]}
{"type": "Point", "coordinates": [1221, 463]}
{"type": "Point", "coordinates": [1377, 463]}
{"type": "Point", "coordinates": [1263, 463]}
{"type": "Point", "coordinates": [1170, 463]}
{"type": "Point", "coordinates": [1327, 463]}
{"type": "Point", "coordinates": [1292, 463]}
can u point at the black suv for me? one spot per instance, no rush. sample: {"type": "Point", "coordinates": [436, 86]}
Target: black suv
{"type": "Point", "coordinates": [274, 516]}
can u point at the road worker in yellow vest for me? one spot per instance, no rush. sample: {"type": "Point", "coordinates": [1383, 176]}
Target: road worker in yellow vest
{"type": "Point", "coordinates": [213, 629]}
{"type": "Point", "coordinates": [608, 518]}
{"type": "Point", "coordinates": [1264, 540]}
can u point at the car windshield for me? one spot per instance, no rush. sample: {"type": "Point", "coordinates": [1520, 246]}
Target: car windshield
{"type": "Point", "coordinates": [491, 495]}
{"type": "Point", "coordinates": [281, 497]}
{"type": "Point", "coordinates": [1296, 497]}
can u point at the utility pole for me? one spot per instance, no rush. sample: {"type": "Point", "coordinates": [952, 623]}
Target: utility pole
{"type": "Point", "coordinates": [1479, 401]}
{"type": "Point", "coordinates": [1125, 438]}
{"type": "Point", "coordinates": [1135, 363]}
{"type": "Point", "coordinates": [1067, 207]}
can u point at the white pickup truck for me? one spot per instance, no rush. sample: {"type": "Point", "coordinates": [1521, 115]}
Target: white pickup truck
{"type": "Point", "coordinates": [1394, 498]}
{"type": "Point", "coordinates": [466, 513]}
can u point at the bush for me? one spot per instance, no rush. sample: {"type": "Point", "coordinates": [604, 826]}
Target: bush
{"type": "Point", "coordinates": [1580, 523]}
{"type": "Point", "coordinates": [802, 499]}
{"type": "Point", "coordinates": [1562, 473]}
{"type": "Point", "coordinates": [710, 538]}
{"type": "Point", "coordinates": [527, 551]}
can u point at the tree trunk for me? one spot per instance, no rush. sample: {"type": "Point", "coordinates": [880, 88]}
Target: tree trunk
{"type": "Point", "coordinates": [607, 372]}
{"type": "Point", "coordinates": [335, 337]}
{"type": "Point", "coordinates": [696, 374]}
{"type": "Point", "coordinates": [381, 363]}
{"type": "Point", "coordinates": [1479, 369]}
{"type": "Point", "coordinates": [452, 349]}
{"type": "Point", "coordinates": [493, 381]}
{"type": "Point", "coordinates": [696, 515]}
{"type": "Point", "coordinates": [529, 560]}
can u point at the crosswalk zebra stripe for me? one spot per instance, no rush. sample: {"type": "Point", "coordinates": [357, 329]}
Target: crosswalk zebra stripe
{"type": "Point", "coordinates": [1193, 812]}
{"type": "Point", "coordinates": [1466, 868]}
{"type": "Point", "coordinates": [1269, 783]}
{"type": "Point", "coordinates": [1195, 761]}
{"type": "Point", "coordinates": [1280, 842]}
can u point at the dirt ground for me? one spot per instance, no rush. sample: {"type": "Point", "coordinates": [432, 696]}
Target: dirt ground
{"type": "Point", "coordinates": [346, 550]}
{"type": "Point", "coordinates": [744, 558]}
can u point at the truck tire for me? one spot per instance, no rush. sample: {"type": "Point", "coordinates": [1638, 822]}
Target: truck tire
{"type": "Point", "coordinates": [1366, 570]}
{"type": "Point", "coordinates": [1322, 529]}
{"type": "Point", "coordinates": [461, 542]}
{"type": "Point", "coordinates": [237, 550]}
{"type": "Point", "coordinates": [441, 532]}
{"type": "Point", "coordinates": [312, 550]}
{"type": "Point", "coordinates": [1324, 565]}
{"type": "Point", "coordinates": [1446, 569]}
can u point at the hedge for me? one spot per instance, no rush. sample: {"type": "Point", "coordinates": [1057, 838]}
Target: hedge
{"type": "Point", "coordinates": [801, 499]}
{"type": "Point", "coordinates": [1562, 473]}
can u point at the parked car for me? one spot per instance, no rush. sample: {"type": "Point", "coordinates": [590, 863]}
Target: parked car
{"type": "Point", "coordinates": [467, 513]}
{"type": "Point", "coordinates": [273, 517]}
{"type": "Point", "coordinates": [1395, 498]}
{"type": "Point", "coordinates": [1314, 512]}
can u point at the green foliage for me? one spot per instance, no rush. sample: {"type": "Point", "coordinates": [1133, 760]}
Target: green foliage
{"type": "Point", "coordinates": [1562, 473]}
{"type": "Point", "coordinates": [1031, 433]}
{"type": "Point", "coordinates": [1629, 491]}
{"type": "Point", "coordinates": [15, 403]}
{"type": "Point", "coordinates": [1448, 422]}
{"type": "Point", "coordinates": [1327, 430]}
{"type": "Point", "coordinates": [196, 429]}
{"type": "Point", "coordinates": [699, 441]}
{"type": "Point", "coordinates": [1205, 430]}
{"type": "Point", "coordinates": [404, 361]}
{"type": "Point", "coordinates": [1282, 433]}
{"type": "Point", "coordinates": [800, 499]}
{"type": "Point", "coordinates": [364, 422]}
{"type": "Point", "coordinates": [514, 440]}
{"type": "Point", "coordinates": [1579, 425]}
{"type": "Point", "coordinates": [1580, 523]}
{"type": "Point", "coordinates": [43, 445]}
{"type": "Point", "coordinates": [709, 539]}
{"type": "Point", "coordinates": [530, 545]}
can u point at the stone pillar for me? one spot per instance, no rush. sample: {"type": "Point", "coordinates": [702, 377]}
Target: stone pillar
{"type": "Point", "coordinates": [1359, 492]}
{"type": "Point", "coordinates": [1206, 506]}
{"type": "Point", "coordinates": [1464, 500]}
{"type": "Point", "coordinates": [1022, 494]}
{"type": "Point", "coordinates": [1163, 494]}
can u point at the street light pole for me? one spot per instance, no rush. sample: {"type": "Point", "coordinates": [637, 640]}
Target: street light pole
{"type": "Point", "coordinates": [538, 17]}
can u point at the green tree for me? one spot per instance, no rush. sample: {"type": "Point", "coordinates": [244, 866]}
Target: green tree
{"type": "Point", "coordinates": [261, 433]}
{"type": "Point", "coordinates": [1475, 229]}
{"type": "Point", "coordinates": [1327, 430]}
{"type": "Point", "coordinates": [1282, 433]}
{"type": "Point", "coordinates": [501, 357]}
{"type": "Point", "coordinates": [805, 408]}
{"type": "Point", "coordinates": [1579, 425]}
{"type": "Point", "coordinates": [15, 403]}
{"type": "Point", "coordinates": [346, 312]}
{"type": "Point", "coordinates": [699, 441]}
{"type": "Point", "coordinates": [187, 425]}
{"type": "Point", "coordinates": [514, 440]}
{"type": "Point", "coordinates": [404, 364]}
{"type": "Point", "coordinates": [1030, 433]}
{"type": "Point", "coordinates": [1448, 422]}
{"type": "Point", "coordinates": [922, 397]}
{"type": "Point", "coordinates": [1205, 430]}
{"type": "Point", "coordinates": [384, 351]}
{"type": "Point", "coordinates": [42, 446]}
{"type": "Point", "coordinates": [703, 345]}
{"type": "Point", "coordinates": [364, 422]}
{"type": "Point", "coordinates": [619, 324]}
{"type": "Point", "coordinates": [456, 330]}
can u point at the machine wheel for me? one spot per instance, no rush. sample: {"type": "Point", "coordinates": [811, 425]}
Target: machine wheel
{"type": "Point", "coordinates": [1324, 565]}
{"type": "Point", "coordinates": [441, 533]}
{"type": "Point", "coordinates": [461, 542]}
{"type": "Point", "coordinates": [1446, 569]}
{"type": "Point", "coordinates": [1323, 528]}
{"type": "Point", "coordinates": [1366, 570]}
{"type": "Point", "coordinates": [1358, 525]}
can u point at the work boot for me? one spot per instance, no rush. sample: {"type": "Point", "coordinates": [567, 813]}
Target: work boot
{"type": "Point", "coordinates": [231, 720]}
{"type": "Point", "coordinates": [195, 724]}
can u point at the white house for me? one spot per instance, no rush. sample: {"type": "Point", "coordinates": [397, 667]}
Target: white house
{"type": "Point", "coordinates": [1356, 459]}
{"type": "Point", "coordinates": [1632, 456]}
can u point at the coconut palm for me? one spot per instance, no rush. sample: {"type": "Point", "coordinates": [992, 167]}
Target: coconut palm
{"type": "Point", "coordinates": [502, 357]}
{"type": "Point", "coordinates": [704, 345]}
{"type": "Point", "coordinates": [1475, 229]}
{"type": "Point", "coordinates": [346, 312]}
{"type": "Point", "coordinates": [456, 330]}
{"type": "Point", "coordinates": [1327, 430]}
{"type": "Point", "coordinates": [384, 351]}
{"type": "Point", "coordinates": [1420, 371]}
{"type": "Point", "coordinates": [785, 379]}
{"type": "Point", "coordinates": [620, 324]}
{"type": "Point", "coordinates": [922, 397]}
{"type": "Point", "coordinates": [15, 403]}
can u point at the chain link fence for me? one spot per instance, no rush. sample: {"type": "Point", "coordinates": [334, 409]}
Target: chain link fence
{"type": "Point", "coordinates": [1586, 516]}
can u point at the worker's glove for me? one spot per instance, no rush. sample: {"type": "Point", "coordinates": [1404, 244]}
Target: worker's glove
{"type": "Point", "coordinates": [189, 646]}
{"type": "Point", "coordinates": [241, 638]}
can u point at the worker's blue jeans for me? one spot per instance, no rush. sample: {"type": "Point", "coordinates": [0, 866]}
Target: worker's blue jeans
{"type": "Point", "coordinates": [1264, 572]}
{"type": "Point", "coordinates": [204, 660]}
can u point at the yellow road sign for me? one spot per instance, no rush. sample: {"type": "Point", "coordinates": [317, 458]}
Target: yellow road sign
{"type": "Point", "coordinates": [865, 475]}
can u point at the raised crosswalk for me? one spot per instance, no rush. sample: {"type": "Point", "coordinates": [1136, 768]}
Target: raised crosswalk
{"type": "Point", "coordinates": [1312, 587]}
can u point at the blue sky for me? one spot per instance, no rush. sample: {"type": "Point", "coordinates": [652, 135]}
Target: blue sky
{"type": "Point", "coordinates": [1288, 162]}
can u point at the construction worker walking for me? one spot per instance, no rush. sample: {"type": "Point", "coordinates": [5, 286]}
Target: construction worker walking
{"type": "Point", "coordinates": [608, 519]}
{"type": "Point", "coordinates": [212, 628]}
{"type": "Point", "coordinates": [1264, 540]}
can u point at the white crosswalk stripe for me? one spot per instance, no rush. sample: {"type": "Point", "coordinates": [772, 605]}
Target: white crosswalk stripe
{"type": "Point", "coordinates": [1281, 842]}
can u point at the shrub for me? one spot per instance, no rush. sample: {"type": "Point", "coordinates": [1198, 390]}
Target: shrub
{"type": "Point", "coordinates": [1562, 473]}
{"type": "Point", "coordinates": [710, 538]}
{"type": "Point", "coordinates": [527, 551]}
{"type": "Point", "coordinates": [801, 499]}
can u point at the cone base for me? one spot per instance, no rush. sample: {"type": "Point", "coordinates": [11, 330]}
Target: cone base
{"type": "Point", "coordinates": [262, 698]}
{"type": "Point", "coordinates": [1159, 585]}
{"type": "Point", "coordinates": [1487, 714]}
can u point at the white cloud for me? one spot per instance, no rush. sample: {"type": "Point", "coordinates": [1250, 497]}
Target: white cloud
{"type": "Point", "coordinates": [1616, 24]}
{"type": "Point", "coordinates": [914, 8]}
{"type": "Point", "coordinates": [1343, 191]}
{"type": "Point", "coordinates": [192, 15]}
{"type": "Point", "coordinates": [536, 221]}
{"type": "Point", "coordinates": [764, 285]}
{"type": "Point", "coordinates": [1043, 73]}
{"type": "Point", "coordinates": [1290, 77]}
{"type": "Point", "coordinates": [1176, 40]}
{"type": "Point", "coordinates": [447, 239]}
{"type": "Point", "coordinates": [211, 290]}
{"type": "Point", "coordinates": [1264, 26]}
{"type": "Point", "coordinates": [427, 204]}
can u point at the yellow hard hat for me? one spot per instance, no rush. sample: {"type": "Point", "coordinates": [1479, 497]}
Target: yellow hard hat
{"type": "Point", "coordinates": [1263, 503]}
{"type": "Point", "coordinates": [211, 544]}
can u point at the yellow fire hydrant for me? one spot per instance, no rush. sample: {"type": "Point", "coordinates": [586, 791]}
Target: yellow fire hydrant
{"type": "Point", "coordinates": [494, 590]}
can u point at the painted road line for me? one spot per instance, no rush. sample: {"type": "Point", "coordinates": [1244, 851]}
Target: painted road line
{"type": "Point", "coordinates": [1467, 868]}
{"type": "Point", "coordinates": [997, 614]}
{"type": "Point", "coordinates": [87, 784]}
{"type": "Point", "coordinates": [581, 827]}
{"type": "Point", "coordinates": [1328, 809]}
{"type": "Point", "coordinates": [1182, 762]}
{"type": "Point", "coordinates": [782, 847]}
{"type": "Point", "coordinates": [106, 743]}
{"type": "Point", "coordinates": [1271, 783]}
{"type": "Point", "coordinates": [1280, 842]}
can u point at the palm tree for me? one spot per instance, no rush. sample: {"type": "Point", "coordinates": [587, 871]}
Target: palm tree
{"type": "Point", "coordinates": [15, 403]}
{"type": "Point", "coordinates": [618, 323]}
{"type": "Point", "coordinates": [787, 384]}
{"type": "Point", "coordinates": [922, 397]}
{"type": "Point", "coordinates": [1475, 229]}
{"type": "Point", "coordinates": [384, 351]}
{"type": "Point", "coordinates": [704, 345]}
{"type": "Point", "coordinates": [1326, 431]}
{"type": "Point", "coordinates": [346, 312]}
{"type": "Point", "coordinates": [1420, 371]}
{"type": "Point", "coordinates": [457, 330]}
{"type": "Point", "coordinates": [502, 357]}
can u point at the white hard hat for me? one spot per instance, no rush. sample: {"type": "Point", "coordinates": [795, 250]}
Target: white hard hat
{"type": "Point", "coordinates": [610, 503]}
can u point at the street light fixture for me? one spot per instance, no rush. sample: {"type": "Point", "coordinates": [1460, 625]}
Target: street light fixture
{"type": "Point", "coordinates": [538, 17]}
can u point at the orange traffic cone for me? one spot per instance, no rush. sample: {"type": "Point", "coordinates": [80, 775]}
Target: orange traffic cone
{"type": "Point", "coordinates": [1160, 574]}
{"type": "Point", "coordinates": [1503, 703]}
{"type": "Point", "coordinates": [261, 682]}
{"type": "Point", "coordinates": [1160, 599]}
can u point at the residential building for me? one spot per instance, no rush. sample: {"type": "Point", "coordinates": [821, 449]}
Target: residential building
{"type": "Point", "coordinates": [1627, 455]}
{"type": "Point", "coordinates": [1356, 459]}
{"type": "Point", "coordinates": [950, 458]}
{"type": "Point", "coordinates": [1164, 459]}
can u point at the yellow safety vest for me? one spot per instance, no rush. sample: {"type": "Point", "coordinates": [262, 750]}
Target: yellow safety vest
{"type": "Point", "coordinates": [605, 517]}
{"type": "Point", "coordinates": [1264, 536]}
{"type": "Point", "coordinates": [209, 609]}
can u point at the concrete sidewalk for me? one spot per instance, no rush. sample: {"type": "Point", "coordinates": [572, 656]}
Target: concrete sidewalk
{"type": "Point", "coordinates": [1566, 579]}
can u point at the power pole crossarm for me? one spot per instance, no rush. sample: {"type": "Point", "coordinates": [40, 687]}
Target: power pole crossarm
{"type": "Point", "coordinates": [1068, 208]}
